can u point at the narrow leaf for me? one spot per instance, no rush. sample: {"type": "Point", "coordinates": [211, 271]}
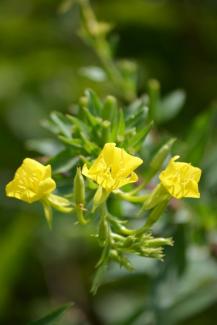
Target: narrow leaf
{"type": "Point", "coordinates": [52, 317]}
{"type": "Point", "coordinates": [141, 135]}
{"type": "Point", "coordinates": [94, 103]}
{"type": "Point", "coordinates": [62, 123]}
{"type": "Point", "coordinates": [98, 278]}
{"type": "Point", "coordinates": [170, 106]}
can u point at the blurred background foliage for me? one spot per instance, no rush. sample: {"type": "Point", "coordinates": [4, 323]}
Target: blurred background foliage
{"type": "Point", "coordinates": [42, 62]}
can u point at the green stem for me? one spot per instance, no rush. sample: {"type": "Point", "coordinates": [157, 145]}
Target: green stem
{"type": "Point", "coordinates": [153, 217]}
{"type": "Point", "coordinates": [118, 227]}
{"type": "Point", "coordinates": [102, 48]}
{"type": "Point", "coordinates": [79, 211]}
{"type": "Point", "coordinates": [142, 185]}
{"type": "Point", "coordinates": [138, 188]}
{"type": "Point", "coordinates": [131, 198]}
{"type": "Point", "coordinates": [104, 226]}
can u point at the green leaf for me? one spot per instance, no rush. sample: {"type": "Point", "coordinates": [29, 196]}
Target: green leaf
{"type": "Point", "coordinates": [78, 124]}
{"type": "Point", "coordinates": [198, 137]}
{"type": "Point", "coordinates": [137, 118]}
{"type": "Point", "coordinates": [89, 146]}
{"type": "Point", "coordinates": [170, 106]}
{"type": "Point", "coordinates": [91, 119]}
{"type": "Point", "coordinates": [62, 124]}
{"type": "Point", "coordinates": [117, 125]}
{"type": "Point", "coordinates": [94, 103]}
{"type": "Point", "coordinates": [98, 278]}
{"type": "Point", "coordinates": [110, 109]}
{"type": "Point", "coordinates": [137, 104]}
{"type": "Point", "coordinates": [141, 135]}
{"type": "Point", "coordinates": [154, 97]}
{"type": "Point", "coordinates": [64, 161]}
{"type": "Point", "coordinates": [191, 293]}
{"type": "Point", "coordinates": [121, 126]}
{"type": "Point", "coordinates": [77, 143]}
{"type": "Point", "coordinates": [93, 73]}
{"type": "Point", "coordinates": [48, 213]}
{"type": "Point", "coordinates": [161, 154]}
{"type": "Point", "coordinates": [50, 126]}
{"type": "Point", "coordinates": [52, 317]}
{"type": "Point", "coordinates": [47, 147]}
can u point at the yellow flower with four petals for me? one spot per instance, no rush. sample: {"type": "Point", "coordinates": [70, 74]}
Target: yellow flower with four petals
{"type": "Point", "coordinates": [32, 182]}
{"type": "Point", "coordinates": [113, 168]}
{"type": "Point", "coordinates": [181, 179]}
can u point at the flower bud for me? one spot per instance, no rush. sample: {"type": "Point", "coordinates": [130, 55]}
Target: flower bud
{"type": "Point", "coordinates": [79, 196]}
{"type": "Point", "coordinates": [158, 196]}
{"type": "Point", "coordinates": [110, 109]}
{"type": "Point", "coordinates": [158, 242]}
{"type": "Point", "coordinates": [103, 231]}
{"type": "Point", "coordinates": [161, 155]}
{"type": "Point", "coordinates": [99, 197]}
{"type": "Point", "coordinates": [79, 188]}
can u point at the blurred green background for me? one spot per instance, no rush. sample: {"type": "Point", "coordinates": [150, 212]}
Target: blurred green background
{"type": "Point", "coordinates": [40, 60]}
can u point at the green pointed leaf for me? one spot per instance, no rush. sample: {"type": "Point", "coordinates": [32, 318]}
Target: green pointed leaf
{"type": "Point", "coordinates": [47, 147]}
{"type": "Point", "coordinates": [78, 124]}
{"type": "Point", "coordinates": [89, 146]}
{"type": "Point", "coordinates": [94, 103]}
{"type": "Point", "coordinates": [154, 98]}
{"type": "Point", "coordinates": [110, 108]}
{"type": "Point", "coordinates": [137, 118]}
{"type": "Point", "coordinates": [53, 317]}
{"type": "Point", "coordinates": [62, 124]}
{"type": "Point", "coordinates": [93, 120]}
{"type": "Point", "coordinates": [197, 139]}
{"type": "Point", "coordinates": [137, 104]}
{"type": "Point", "coordinates": [161, 155]}
{"type": "Point", "coordinates": [121, 125]}
{"type": "Point", "coordinates": [77, 143]}
{"type": "Point", "coordinates": [98, 278]}
{"type": "Point", "coordinates": [48, 213]}
{"type": "Point", "coordinates": [141, 135]}
{"type": "Point", "coordinates": [195, 291]}
{"type": "Point", "coordinates": [64, 161]}
{"type": "Point", "coordinates": [170, 106]}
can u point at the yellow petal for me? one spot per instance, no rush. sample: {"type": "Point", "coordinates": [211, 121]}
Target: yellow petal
{"type": "Point", "coordinates": [46, 186]}
{"type": "Point", "coordinates": [85, 170]}
{"type": "Point", "coordinates": [130, 179]}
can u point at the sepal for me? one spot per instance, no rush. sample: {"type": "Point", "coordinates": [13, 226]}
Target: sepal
{"type": "Point", "coordinates": [59, 203]}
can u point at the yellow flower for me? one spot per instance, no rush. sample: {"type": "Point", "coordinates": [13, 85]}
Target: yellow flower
{"type": "Point", "coordinates": [113, 168]}
{"type": "Point", "coordinates": [32, 182]}
{"type": "Point", "coordinates": [181, 179]}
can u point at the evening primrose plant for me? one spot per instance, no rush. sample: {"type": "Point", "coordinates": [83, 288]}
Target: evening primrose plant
{"type": "Point", "coordinates": [103, 161]}
{"type": "Point", "coordinates": [106, 157]}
